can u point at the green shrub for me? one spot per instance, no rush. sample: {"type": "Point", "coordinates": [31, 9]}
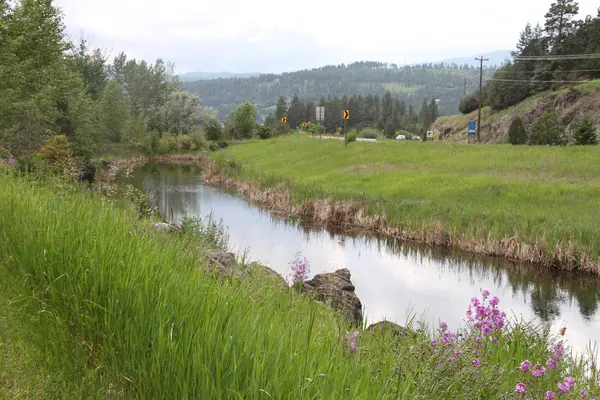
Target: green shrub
{"type": "Point", "coordinates": [516, 132]}
{"type": "Point", "coordinates": [351, 136]}
{"type": "Point", "coordinates": [213, 146]}
{"type": "Point", "coordinates": [585, 133]}
{"type": "Point", "coordinates": [369, 133]}
{"type": "Point", "coordinates": [264, 132]}
{"type": "Point", "coordinates": [469, 103]}
{"type": "Point", "coordinates": [547, 130]}
{"type": "Point", "coordinates": [213, 129]}
{"type": "Point", "coordinates": [57, 153]}
{"type": "Point", "coordinates": [4, 153]}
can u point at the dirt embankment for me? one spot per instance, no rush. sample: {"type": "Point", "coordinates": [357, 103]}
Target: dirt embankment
{"type": "Point", "coordinates": [570, 105]}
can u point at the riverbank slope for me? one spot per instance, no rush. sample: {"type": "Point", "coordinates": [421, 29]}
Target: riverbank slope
{"type": "Point", "coordinates": [532, 204]}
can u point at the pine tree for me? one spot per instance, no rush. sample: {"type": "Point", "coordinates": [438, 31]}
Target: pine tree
{"type": "Point", "coordinates": [585, 133]}
{"type": "Point", "coordinates": [559, 19]}
{"type": "Point", "coordinates": [547, 130]}
{"type": "Point", "coordinates": [281, 110]}
{"type": "Point", "coordinates": [516, 132]}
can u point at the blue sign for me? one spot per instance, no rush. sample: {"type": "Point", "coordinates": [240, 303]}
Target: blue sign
{"type": "Point", "coordinates": [471, 128]}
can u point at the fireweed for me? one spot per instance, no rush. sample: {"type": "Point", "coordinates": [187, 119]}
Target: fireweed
{"type": "Point", "coordinates": [540, 379]}
{"type": "Point", "coordinates": [300, 269]}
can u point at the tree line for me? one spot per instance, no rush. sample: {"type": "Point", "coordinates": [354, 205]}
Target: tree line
{"type": "Point", "coordinates": [410, 84]}
{"type": "Point", "coordinates": [51, 86]}
{"type": "Point", "coordinates": [546, 57]}
{"type": "Point", "coordinates": [386, 113]}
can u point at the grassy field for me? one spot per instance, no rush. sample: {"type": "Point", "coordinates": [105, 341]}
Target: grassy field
{"type": "Point", "coordinates": [95, 304]}
{"type": "Point", "coordinates": [541, 194]}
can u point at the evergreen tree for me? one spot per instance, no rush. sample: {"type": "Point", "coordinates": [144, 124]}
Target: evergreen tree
{"type": "Point", "coordinates": [113, 114]}
{"type": "Point", "coordinates": [547, 130]}
{"type": "Point", "coordinates": [281, 110]}
{"type": "Point", "coordinates": [585, 133]}
{"type": "Point", "coordinates": [559, 19]}
{"type": "Point", "coordinates": [516, 132]}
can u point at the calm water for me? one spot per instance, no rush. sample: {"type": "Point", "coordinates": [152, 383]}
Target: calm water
{"type": "Point", "coordinates": [393, 280]}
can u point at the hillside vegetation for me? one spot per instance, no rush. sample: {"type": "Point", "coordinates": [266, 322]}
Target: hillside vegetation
{"type": "Point", "coordinates": [409, 84]}
{"type": "Point", "coordinates": [571, 104]}
{"type": "Point", "coordinates": [550, 65]}
{"type": "Point", "coordinates": [543, 198]}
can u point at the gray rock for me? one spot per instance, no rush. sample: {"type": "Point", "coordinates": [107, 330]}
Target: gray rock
{"type": "Point", "coordinates": [337, 289]}
{"type": "Point", "coordinates": [226, 265]}
{"type": "Point", "coordinates": [383, 326]}
{"type": "Point", "coordinates": [162, 227]}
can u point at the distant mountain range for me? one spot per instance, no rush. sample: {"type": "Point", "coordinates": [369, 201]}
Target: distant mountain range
{"type": "Point", "coordinates": [496, 59]}
{"type": "Point", "coordinates": [201, 76]}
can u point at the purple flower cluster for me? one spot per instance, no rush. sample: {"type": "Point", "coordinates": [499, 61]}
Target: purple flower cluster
{"type": "Point", "coordinates": [351, 340]}
{"type": "Point", "coordinates": [300, 269]}
{"type": "Point", "coordinates": [486, 317]}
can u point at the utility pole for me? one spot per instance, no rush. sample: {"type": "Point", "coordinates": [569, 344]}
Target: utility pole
{"type": "Point", "coordinates": [481, 60]}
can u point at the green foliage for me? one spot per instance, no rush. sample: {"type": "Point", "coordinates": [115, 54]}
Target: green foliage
{"type": "Point", "coordinates": [213, 129]}
{"type": "Point", "coordinates": [182, 112]}
{"type": "Point", "coordinates": [4, 153]}
{"type": "Point", "coordinates": [469, 103]}
{"type": "Point", "coordinates": [369, 133]}
{"type": "Point", "coordinates": [547, 130]}
{"type": "Point", "coordinates": [410, 84]}
{"type": "Point", "coordinates": [585, 133]}
{"type": "Point", "coordinates": [57, 153]}
{"type": "Point", "coordinates": [351, 136]}
{"type": "Point", "coordinates": [242, 121]}
{"type": "Point", "coordinates": [112, 112]}
{"type": "Point", "coordinates": [516, 132]}
{"type": "Point", "coordinates": [315, 128]}
{"type": "Point", "coordinates": [264, 132]}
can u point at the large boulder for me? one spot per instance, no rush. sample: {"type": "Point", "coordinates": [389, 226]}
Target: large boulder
{"type": "Point", "coordinates": [337, 289]}
{"type": "Point", "coordinates": [225, 264]}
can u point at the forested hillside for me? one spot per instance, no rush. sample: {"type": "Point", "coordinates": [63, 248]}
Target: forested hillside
{"type": "Point", "coordinates": [409, 84]}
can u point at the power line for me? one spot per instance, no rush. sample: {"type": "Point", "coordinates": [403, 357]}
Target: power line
{"type": "Point", "coordinates": [554, 72]}
{"type": "Point", "coordinates": [559, 57]}
{"type": "Point", "coordinates": [535, 81]}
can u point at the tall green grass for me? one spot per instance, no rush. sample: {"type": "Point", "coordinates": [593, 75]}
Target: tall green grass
{"type": "Point", "coordinates": [535, 192]}
{"type": "Point", "coordinates": [116, 310]}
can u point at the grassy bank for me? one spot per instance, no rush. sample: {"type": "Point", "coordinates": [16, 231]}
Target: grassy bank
{"type": "Point", "coordinates": [534, 204]}
{"type": "Point", "coordinates": [101, 306]}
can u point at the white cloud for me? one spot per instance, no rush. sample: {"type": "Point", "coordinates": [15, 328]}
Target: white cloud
{"type": "Point", "coordinates": [282, 36]}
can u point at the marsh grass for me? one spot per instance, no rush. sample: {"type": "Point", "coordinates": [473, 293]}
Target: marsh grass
{"type": "Point", "coordinates": [541, 197]}
{"type": "Point", "coordinates": [104, 307]}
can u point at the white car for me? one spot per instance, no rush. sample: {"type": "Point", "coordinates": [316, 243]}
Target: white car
{"type": "Point", "coordinates": [400, 137]}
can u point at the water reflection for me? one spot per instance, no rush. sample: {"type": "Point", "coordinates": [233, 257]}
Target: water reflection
{"type": "Point", "coordinates": [392, 279]}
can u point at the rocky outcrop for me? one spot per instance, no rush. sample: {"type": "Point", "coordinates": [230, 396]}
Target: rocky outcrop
{"type": "Point", "coordinates": [384, 326]}
{"type": "Point", "coordinates": [337, 289]}
{"type": "Point", "coordinates": [225, 264]}
{"type": "Point", "coordinates": [165, 227]}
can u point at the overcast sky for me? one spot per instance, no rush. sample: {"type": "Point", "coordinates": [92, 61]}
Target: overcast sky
{"type": "Point", "coordinates": [276, 36]}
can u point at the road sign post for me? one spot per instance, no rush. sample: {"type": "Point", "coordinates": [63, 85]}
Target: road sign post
{"type": "Point", "coordinates": [471, 128]}
{"type": "Point", "coordinates": [346, 118]}
{"type": "Point", "coordinates": [320, 117]}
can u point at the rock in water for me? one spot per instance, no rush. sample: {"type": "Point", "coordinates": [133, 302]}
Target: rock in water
{"type": "Point", "coordinates": [337, 288]}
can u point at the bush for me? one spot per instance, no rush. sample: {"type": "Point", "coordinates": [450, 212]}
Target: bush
{"type": "Point", "coordinates": [4, 153]}
{"type": "Point", "coordinates": [469, 103]}
{"type": "Point", "coordinates": [213, 146]}
{"type": "Point", "coordinates": [57, 153]}
{"type": "Point", "coordinates": [213, 129]}
{"type": "Point", "coordinates": [264, 132]}
{"type": "Point", "coordinates": [516, 132]}
{"type": "Point", "coordinates": [585, 133]}
{"type": "Point", "coordinates": [369, 133]}
{"type": "Point", "coordinates": [547, 130]}
{"type": "Point", "coordinates": [351, 136]}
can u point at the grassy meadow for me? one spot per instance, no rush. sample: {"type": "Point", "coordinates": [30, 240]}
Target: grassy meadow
{"type": "Point", "coordinates": [95, 304]}
{"type": "Point", "coordinates": [541, 194]}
